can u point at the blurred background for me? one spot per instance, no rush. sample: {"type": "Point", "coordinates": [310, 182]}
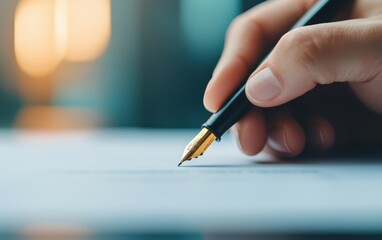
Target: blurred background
{"type": "Point", "coordinates": [69, 64]}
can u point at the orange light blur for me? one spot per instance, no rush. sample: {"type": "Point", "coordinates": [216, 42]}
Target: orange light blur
{"type": "Point", "coordinates": [36, 48]}
{"type": "Point", "coordinates": [89, 29]}
{"type": "Point", "coordinates": [50, 31]}
{"type": "Point", "coordinates": [55, 119]}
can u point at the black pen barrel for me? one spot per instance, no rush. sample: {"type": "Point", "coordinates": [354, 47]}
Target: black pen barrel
{"type": "Point", "coordinates": [235, 108]}
{"type": "Point", "coordinates": [229, 114]}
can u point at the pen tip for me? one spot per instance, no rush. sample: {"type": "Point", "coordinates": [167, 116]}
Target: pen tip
{"type": "Point", "coordinates": [198, 145]}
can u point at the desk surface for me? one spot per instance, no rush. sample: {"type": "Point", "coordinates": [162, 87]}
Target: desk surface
{"type": "Point", "coordinates": [128, 181]}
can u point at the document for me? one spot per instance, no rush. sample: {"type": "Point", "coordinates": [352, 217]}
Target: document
{"type": "Point", "coordinates": [128, 181]}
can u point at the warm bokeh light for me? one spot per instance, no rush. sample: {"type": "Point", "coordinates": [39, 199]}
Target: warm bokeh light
{"type": "Point", "coordinates": [54, 118]}
{"type": "Point", "coordinates": [62, 231]}
{"type": "Point", "coordinates": [36, 47]}
{"type": "Point", "coordinates": [61, 24]}
{"type": "Point", "coordinates": [50, 31]}
{"type": "Point", "coordinates": [89, 29]}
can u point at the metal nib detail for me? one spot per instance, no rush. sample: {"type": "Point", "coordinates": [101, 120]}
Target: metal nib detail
{"type": "Point", "coordinates": [198, 145]}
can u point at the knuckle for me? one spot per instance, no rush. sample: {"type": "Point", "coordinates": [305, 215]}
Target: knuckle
{"type": "Point", "coordinates": [306, 48]}
{"type": "Point", "coordinates": [237, 23]}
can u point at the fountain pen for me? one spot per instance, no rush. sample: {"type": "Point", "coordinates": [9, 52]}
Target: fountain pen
{"type": "Point", "coordinates": [238, 104]}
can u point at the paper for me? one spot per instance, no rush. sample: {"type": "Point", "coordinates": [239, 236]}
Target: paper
{"type": "Point", "coordinates": [128, 180]}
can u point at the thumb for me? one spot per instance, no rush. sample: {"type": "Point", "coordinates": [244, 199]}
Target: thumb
{"type": "Point", "coordinates": [347, 51]}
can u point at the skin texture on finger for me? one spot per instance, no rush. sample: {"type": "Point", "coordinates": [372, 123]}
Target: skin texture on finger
{"type": "Point", "coordinates": [347, 51]}
{"type": "Point", "coordinates": [286, 138]}
{"type": "Point", "coordinates": [250, 132]}
{"type": "Point", "coordinates": [368, 90]}
{"type": "Point", "coordinates": [366, 9]}
{"type": "Point", "coordinates": [370, 93]}
{"type": "Point", "coordinates": [247, 39]}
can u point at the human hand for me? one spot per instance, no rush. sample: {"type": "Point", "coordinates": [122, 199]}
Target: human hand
{"type": "Point", "coordinates": [340, 52]}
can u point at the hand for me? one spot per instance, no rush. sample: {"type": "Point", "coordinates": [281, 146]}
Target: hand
{"type": "Point", "coordinates": [306, 61]}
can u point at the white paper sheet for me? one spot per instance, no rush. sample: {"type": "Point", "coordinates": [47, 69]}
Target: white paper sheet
{"type": "Point", "coordinates": [128, 180]}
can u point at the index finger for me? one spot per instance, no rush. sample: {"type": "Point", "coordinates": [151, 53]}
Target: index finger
{"type": "Point", "coordinates": [247, 38]}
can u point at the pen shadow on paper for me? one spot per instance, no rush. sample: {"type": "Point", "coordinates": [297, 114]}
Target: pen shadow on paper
{"type": "Point", "coordinates": [249, 164]}
{"type": "Point", "coordinates": [306, 158]}
{"type": "Point", "coordinates": [265, 160]}
{"type": "Point", "coordinates": [286, 161]}
{"type": "Point", "coordinates": [370, 155]}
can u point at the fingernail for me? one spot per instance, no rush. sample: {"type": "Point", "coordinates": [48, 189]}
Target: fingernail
{"type": "Point", "coordinates": [319, 139]}
{"type": "Point", "coordinates": [235, 134]}
{"type": "Point", "coordinates": [263, 87]}
{"type": "Point", "coordinates": [322, 137]}
{"type": "Point", "coordinates": [277, 140]}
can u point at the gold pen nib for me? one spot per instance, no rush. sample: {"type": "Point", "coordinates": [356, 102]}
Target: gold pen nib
{"type": "Point", "coordinates": [198, 145]}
